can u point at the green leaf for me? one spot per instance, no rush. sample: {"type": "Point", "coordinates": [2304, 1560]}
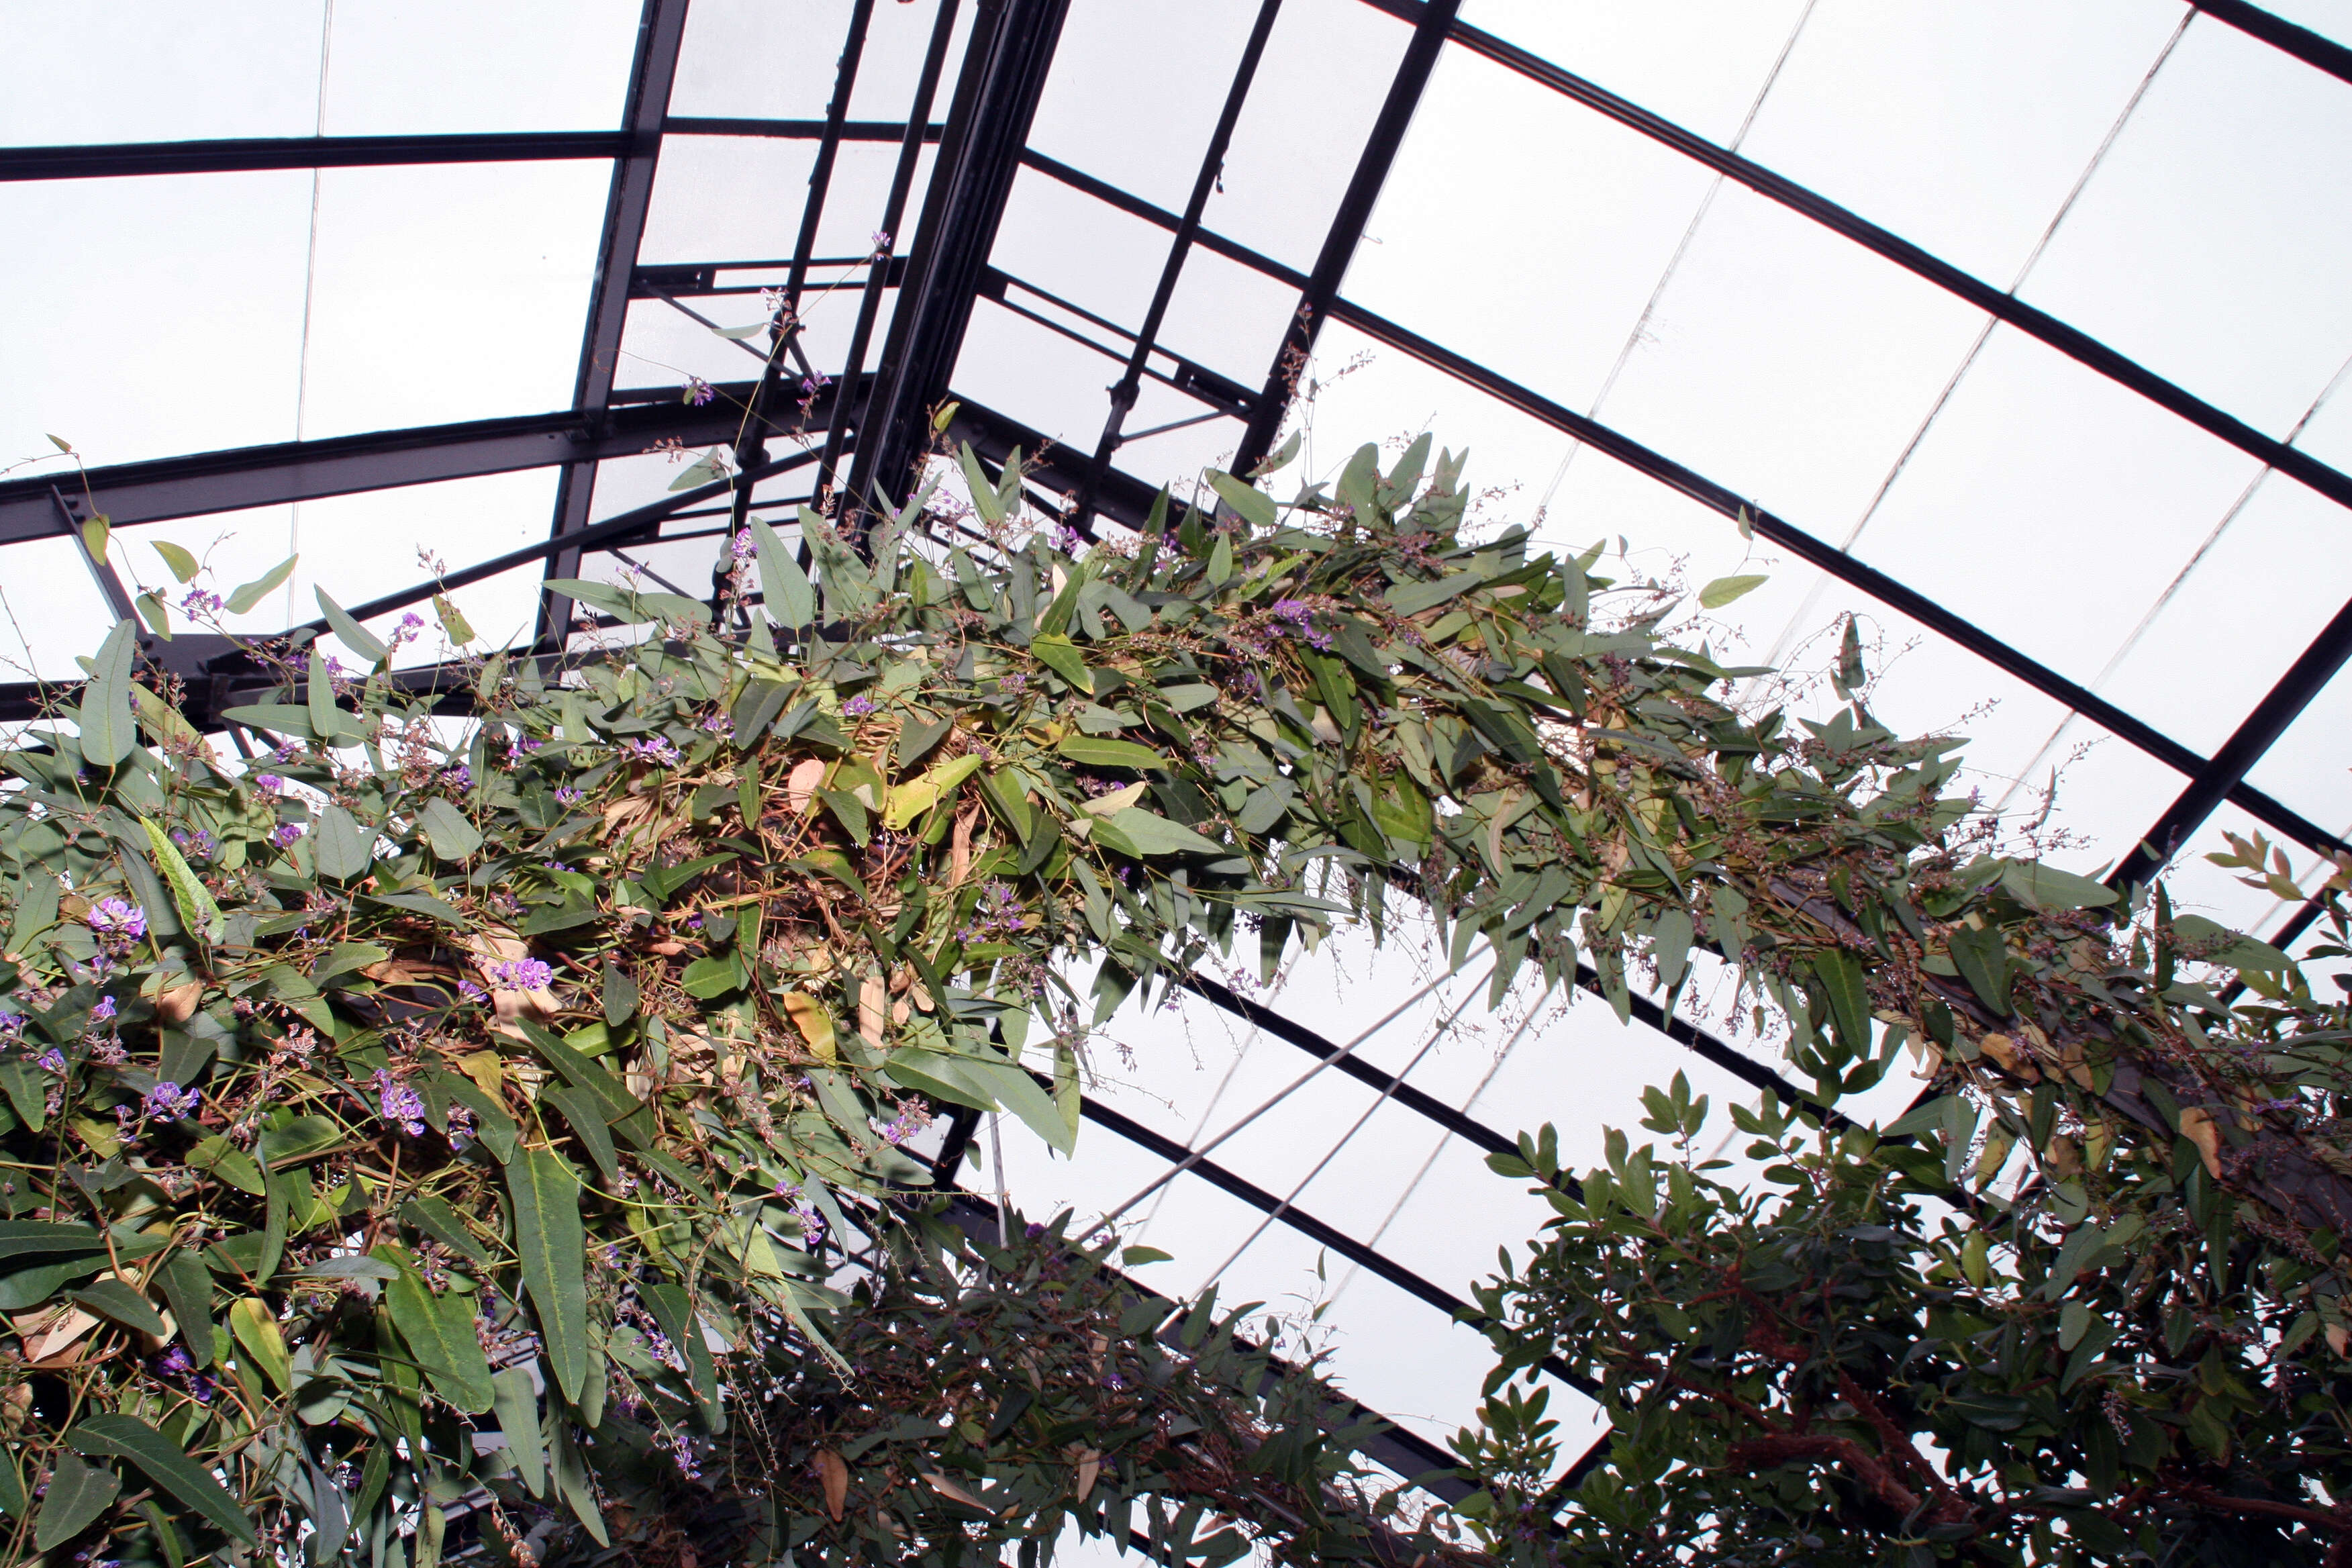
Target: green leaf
{"type": "Point", "coordinates": [587, 1121]}
{"type": "Point", "coordinates": [1724, 590]}
{"type": "Point", "coordinates": [198, 912]}
{"type": "Point", "coordinates": [1059, 655]}
{"type": "Point", "coordinates": [26, 1094]}
{"type": "Point", "coordinates": [2047, 887]}
{"type": "Point", "coordinates": [1982, 959]}
{"type": "Point", "coordinates": [1252, 505]}
{"type": "Point", "coordinates": [453, 836]}
{"type": "Point", "coordinates": [356, 637]}
{"type": "Point", "coordinates": [454, 624]}
{"type": "Point", "coordinates": [156, 614]}
{"type": "Point", "coordinates": [739, 334]}
{"type": "Point", "coordinates": [545, 1197]}
{"type": "Point", "coordinates": [225, 1161]}
{"type": "Point", "coordinates": [1136, 1256]}
{"type": "Point", "coordinates": [517, 1403]}
{"type": "Point", "coordinates": [439, 1330]}
{"type": "Point", "coordinates": [19, 1238]}
{"type": "Point", "coordinates": [2236, 951]}
{"type": "Point", "coordinates": [188, 1287]}
{"type": "Point", "coordinates": [674, 1310]}
{"type": "Point", "coordinates": [632, 609]}
{"type": "Point", "coordinates": [114, 1299]}
{"type": "Point", "coordinates": [791, 598]}
{"type": "Point", "coordinates": [78, 1494]}
{"type": "Point", "coordinates": [166, 1464]}
{"type": "Point", "coordinates": [183, 565]}
{"type": "Point", "coordinates": [1096, 752]}
{"type": "Point", "coordinates": [1132, 830]}
{"type": "Point", "coordinates": [13, 1501]}
{"type": "Point", "coordinates": [1840, 975]}
{"type": "Point", "coordinates": [256, 1327]}
{"type": "Point", "coordinates": [1412, 598]}
{"type": "Point", "coordinates": [246, 595]}
{"type": "Point", "coordinates": [920, 794]}
{"type": "Point", "coordinates": [107, 735]}
{"type": "Point", "coordinates": [342, 848]}
{"type": "Point", "coordinates": [94, 531]}
{"type": "Point", "coordinates": [982, 489]}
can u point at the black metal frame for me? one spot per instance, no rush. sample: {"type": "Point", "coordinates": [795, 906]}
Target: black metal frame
{"type": "Point", "coordinates": [880, 421]}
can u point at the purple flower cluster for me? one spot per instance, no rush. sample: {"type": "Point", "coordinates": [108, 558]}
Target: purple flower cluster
{"type": "Point", "coordinates": [269, 783]}
{"type": "Point", "coordinates": [698, 392]}
{"type": "Point", "coordinates": [400, 1103]}
{"type": "Point", "coordinates": [196, 845]}
{"type": "Point", "coordinates": [859, 706]}
{"type": "Point", "coordinates": [566, 796]}
{"type": "Point", "coordinates": [461, 1128]}
{"type": "Point", "coordinates": [285, 834]}
{"type": "Point", "coordinates": [1297, 617]}
{"type": "Point", "coordinates": [658, 750]}
{"type": "Point", "coordinates": [411, 625]}
{"type": "Point", "coordinates": [998, 912]}
{"type": "Point", "coordinates": [101, 1010]}
{"type": "Point", "coordinates": [175, 1363]}
{"type": "Point", "coordinates": [812, 1221]}
{"type": "Point", "coordinates": [911, 1119]}
{"type": "Point", "coordinates": [196, 601]}
{"type": "Point", "coordinates": [457, 775]}
{"type": "Point", "coordinates": [168, 1098]}
{"type": "Point", "coordinates": [521, 975]}
{"type": "Point", "coordinates": [117, 919]}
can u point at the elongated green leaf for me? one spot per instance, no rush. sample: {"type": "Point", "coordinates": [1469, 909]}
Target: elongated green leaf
{"type": "Point", "coordinates": [453, 836]}
{"type": "Point", "coordinates": [1840, 975]}
{"type": "Point", "coordinates": [2225, 946]}
{"type": "Point", "coordinates": [517, 1403]}
{"type": "Point", "coordinates": [1982, 959]}
{"type": "Point", "coordinates": [156, 614]}
{"type": "Point", "coordinates": [983, 489]}
{"type": "Point", "coordinates": [1724, 590]}
{"type": "Point", "coordinates": [1020, 1094]}
{"type": "Point", "coordinates": [166, 1464]}
{"type": "Point", "coordinates": [188, 1287]}
{"type": "Point", "coordinates": [21, 1237]}
{"type": "Point", "coordinates": [256, 1328]}
{"type": "Point", "coordinates": [1058, 655]}
{"type": "Point", "coordinates": [632, 609]}
{"type": "Point", "coordinates": [198, 912]}
{"type": "Point", "coordinates": [1095, 752]}
{"type": "Point", "coordinates": [27, 1095]}
{"type": "Point", "coordinates": [790, 598]}
{"type": "Point", "coordinates": [356, 637]}
{"type": "Point", "coordinates": [675, 1312]}
{"type": "Point", "coordinates": [107, 735]}
{"type": "Point", "coordinates": [227, 1163]}
{"type": "Point", "coordinates": [78, 1494]}
{"type": "Point", "coordinates": [459, 630]}
{"type": "Point", "coordinates": [545, 1196]}
{"type": "Point", "coordinates": [114, 1299]}
{"type": "Point", "coordinates": [1252, 505]}
{"type": "Point", "coordinates": [182, 563]}
{"type": "Point", "coordinates": [580, 1108]}
{"type": "Point", "coordinates": [1135, 831]}
{"type": "Point", "coordinates": [927, 789]}
{"type": "Point", "coordinates": [247, 594]}
{"type": "Point", "coordinates": [440, 1334]}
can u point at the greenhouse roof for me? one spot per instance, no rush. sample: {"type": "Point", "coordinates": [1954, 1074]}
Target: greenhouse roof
{"type": "Point", "coordinates": [2013, 328]}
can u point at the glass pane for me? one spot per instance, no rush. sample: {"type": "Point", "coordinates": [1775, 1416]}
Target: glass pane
{"type": "Point", "coordinates": [171, 72]}
{"type": "Point", "coordinates": [2197, 248]}
{"type": "Point", "coordinates": [430, 66]}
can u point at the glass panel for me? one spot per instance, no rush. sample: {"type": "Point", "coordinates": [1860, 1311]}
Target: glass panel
{"type": "Point", "coordinates": [1698, 63]}
{"type": "Point", "coordinates": [2057, 480]}
{"type": "Point", "coordinates": [1087, 117]}
{"type": "Point", "coordinates": [53, 608]}
{"type": "Point", "coordinates": [745, 59]}
{"type": "Point", "coordinates": [2197, 248]}
{"type": "Point", "coordinates": [171, 72]}
{"type": "Point", "coordinates": [450, 292]}
{"type": "Point", "coordinates": [1539, 270]}
{"type": "Point", "coordinates": [2306, 768]}
{"type": "Point", "coordinates": [1789, 365]}
{"type": "Point", "coordinates": [439, 66]}
{"type": "Point", "coordinates": [1962, 129]}
{"type": "Point", "coordinates": [201, 278]}
{"type": "Point", "coordinates": [1226, 316]}
{"type": "Point", "coordinates": [1328, 65]}
{"type": "Point", "coordinates": [739, 198]}
{"type": "Point", "coordinates": [2328, 19]}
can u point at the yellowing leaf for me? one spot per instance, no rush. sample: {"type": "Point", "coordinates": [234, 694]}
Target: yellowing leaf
{"type": "Point", "coordinates": [816, 1024]}
{"type": "Point", "coordinates": [918, 795]}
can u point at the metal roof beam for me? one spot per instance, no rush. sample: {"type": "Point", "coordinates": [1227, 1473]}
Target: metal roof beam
{"type": "Point", "coordinates": [1006, 65]}
{"type": "Point", "coordinates": [660, 27]}
{"type": "Point", "coordinates": [243, 154]}
{"type": "Point", "coordinates": [208, 483]}
{"type": "Point", "coordinates": [1435, 20]}
{"type": "Point", "coordinates": [2320, 53]}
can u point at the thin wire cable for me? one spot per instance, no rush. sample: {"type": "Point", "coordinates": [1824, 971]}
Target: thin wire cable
{"type": "Point", "coordinates": [1388, 1090]}
{"type": "Point", "coordinates": [1205, 1150]}
{"type": "Point", "coordinates": [309, 285]}
{"type": "Point", "coordinates": [1805, 611]}
{"type": "Point", "coordinates": [1673, 263]}
{"type": "Point", "coordinates": [1444, 1137]}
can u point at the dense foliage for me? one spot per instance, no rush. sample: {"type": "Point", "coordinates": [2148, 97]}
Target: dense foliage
{"type": "Point", "coordinates": [511, 1121]}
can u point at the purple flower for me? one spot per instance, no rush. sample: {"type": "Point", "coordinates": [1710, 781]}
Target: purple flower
{"type": "Point", "coordinates": [168, 1098]}
{"type": "Point", "coordinates": [410, 626]}
{"type": "Point", "coordinates": [196, 601]}
{"type": "Point", "coordinates": [286, 834]}
{"type": "Point", "coordinates": [400, 1103]}
{"type": "Point", "coordinates": [1014, 683]}
{"type": "Point", "coordinates": [567, 796]}
{"type": "Point", "coordinates": [457, 775]}
{"type": "Point", "coordinates": [815, 379]}
{"type": "Point", "coordinates": [199, 845]}
{"type": "Point", "coordinates": [698, 392]}
{"type": "Point", "coordinates": [51, 1060]}
{"type": "Point", "coordinates": [859, 706]}
{"type": "Point", "coordinates": [101, 1010]}
{"type": "Point", "coordinates": [521, 975]}
{"type": "Point", "coordinates": [656, 750]}
{"type": "Point", "coordinates": [119, 919]}
{"type": "Point", "coordinates": [461, 1128]}
{"type": "Point", "coordinates": [471, 991]}
{"type": "Point", "coordinates": [881, 237]}
{"type": "Point", "coordinates": [1067, 539]}
{"type": "Point", "coordinates": [269, 783]}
